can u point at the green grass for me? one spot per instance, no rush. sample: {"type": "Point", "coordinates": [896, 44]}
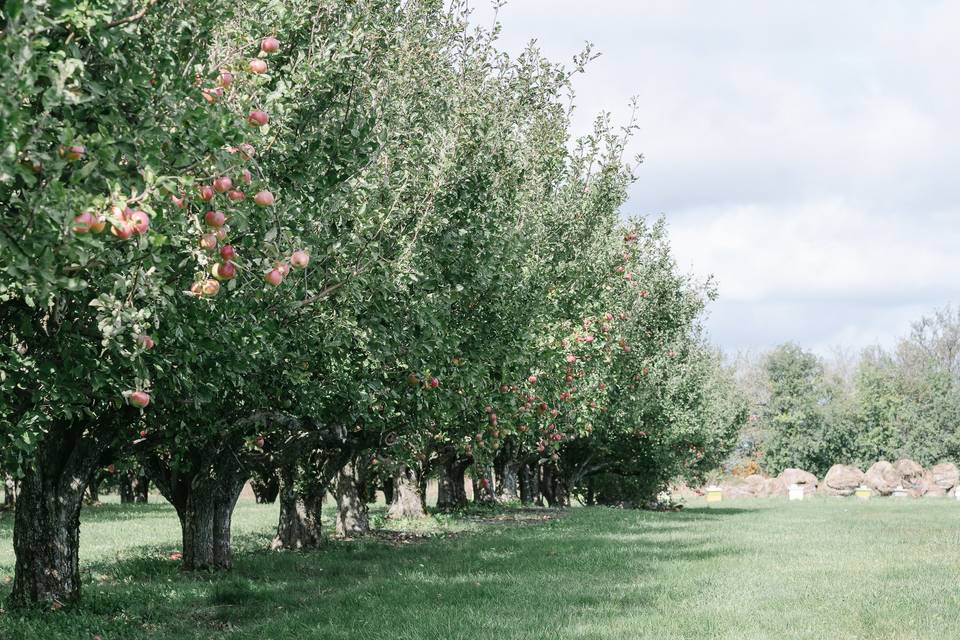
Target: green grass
{"type": "Point", "coordinates": [822, 568]}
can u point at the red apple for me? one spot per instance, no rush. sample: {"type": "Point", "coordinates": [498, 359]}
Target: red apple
{"type": "Point", "coordinates": [145, 341]}
{"type": "Point", "coordinates": [221, 233]}
{"type": "Point", "coordinates": [273, 277]}
{"type": "Point", "coordinates": [258, 118]}
{"type": "Point", "coordinates": [73, 152]}
{"type": "Point", "coordinates": [263, 198]}
{"type": "Point", "coordinates": [227, 252]}
{"type": "Point", "coordinates": [179, 203]}
{"type": "Point", "coordinates": [269, 44]}
{"type": "Point", "coordinates": [224, 270]}
{"type": "Point", "coordinates": [257, 66]}
{"type": "Point", "coordinates": [99, 224]}
{"type": "Point", "coordinates": [211, 288]}
{"type": "Point", "coordinates": [122, 229]}
{"type": "Point", "coordinates": [139, 399]}
{"type": "Point", "coordinates": [140, 221]}
{"type": "Point", "coordinates": [222, 184]}
{"type": "Point", "coordinates": [282, 267]}
{"type": "Point", "coordinates": [206, 193]}
{"type": "Point", "coordinates": [299, 259]}
{"type": "Point", "coordinates": [83, 222]}
{"type": "Point", "coordinates": [208, 241]}
{"type": "Point", "coordinates": [246, 176]}
{"type": "Point", "coordinates": [434, 383]}
{"type": "Point", "coordinates": [532, 379]}
{"type": "Point", "coordinates": [226, 78]}
{"type": "Point", "coordinates": [260, 441]}
{"type": "Point", "coordinates": [214, 218]}
{"type": "Point", "coordinates": [235, 195]}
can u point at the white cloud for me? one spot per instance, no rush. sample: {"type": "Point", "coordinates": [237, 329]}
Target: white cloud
{"type": "Point", "coordinates": [804, 153]}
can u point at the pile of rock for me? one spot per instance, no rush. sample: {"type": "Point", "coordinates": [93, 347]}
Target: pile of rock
{"type": "Point", "coordinates": [883, 478]}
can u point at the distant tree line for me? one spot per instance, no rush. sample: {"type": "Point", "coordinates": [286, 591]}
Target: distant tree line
{"type": "Point", "coordinates": [811, 412]}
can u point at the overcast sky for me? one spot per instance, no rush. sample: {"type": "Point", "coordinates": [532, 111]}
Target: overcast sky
{"type": "Point", "coordinates": [804, 153]}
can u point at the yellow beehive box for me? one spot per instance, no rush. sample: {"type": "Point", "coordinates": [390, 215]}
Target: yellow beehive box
{"type": "Point", "coordinates": [863, 492]}
{"type": "Point", "coordinates": [714, 494]}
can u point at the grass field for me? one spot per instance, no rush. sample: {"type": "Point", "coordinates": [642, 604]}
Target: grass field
{"type": "Point", "coordinates": [823, 568]}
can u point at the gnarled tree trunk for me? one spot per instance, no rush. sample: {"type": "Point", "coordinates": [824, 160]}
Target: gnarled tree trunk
{"type": "Point", "coordinates": [46, 530]}
{"type": "Point", "coordinates": [529, 483]}
{"type": "Point", "coordinates": [553, 486]}
{"type": "Point", "coordinates": [407, 502]}
{"type": "Point", "coordinates": [483, 485]}
{"type": "Point", "coordinates": [507, 469]}
{"type": "Point", "coordinates": [134, 487]}
{"type": "Point", "coordinates": [350, 491]}
{"type": "Point", "coordinates": [204, 499]}
{"type": "Point", "coordinates": [451, 492]}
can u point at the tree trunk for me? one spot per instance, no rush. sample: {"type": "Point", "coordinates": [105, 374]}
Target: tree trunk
{"type": "Point", "coordinates": [46, 530]}
{"type": "Point", "coordinates": [299, 525]}
{"type": "Point", "coordinates": [141, 489]}
{"type": "Point", "coordinates": [93, 490]}
{"type": "Point", "coordinates": [9, 492]}
{"type": "Point", "coordinates": [127, 490]}
{"type": "Point", "coordinates": [204, 499]}
{"type": "Point", "coordinates": [508, 481]}
{"type": "Point", "coordinates": [483, 485]}
{"type": "Point", "coordinates": [553, 487]}
{"type": "Point", "coordinates": [451, 493]}
{"type": "Point", "coordinates": [529, 483]}
{"type": "Point", "coordinates": [352, 517]}
{"type": "Point", "coordinates": [388, 492]}
{"type": "Point", "coordinates": [406, 499]}
{"type": "Point", "coordinates": [266, 488]}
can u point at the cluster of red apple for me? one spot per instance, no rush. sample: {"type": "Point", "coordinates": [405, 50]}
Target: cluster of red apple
{"type": "Point", "coordinates": [124, 222]}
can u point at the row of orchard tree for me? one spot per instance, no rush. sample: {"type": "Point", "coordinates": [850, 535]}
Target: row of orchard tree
{"type": "Point", "coordinates": [332, 242]}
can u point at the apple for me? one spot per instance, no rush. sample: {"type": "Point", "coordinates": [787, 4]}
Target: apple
{"type": "Point", "coordinates": [99, 224]}
{"type": "Point", "coordinates": [83, 222]}
{"type": "Point", "coordinates": [139, 399]}
{"type": "Point", "coordinates": [488, 409]}
{"type": "Point", "coordinates": [504, 388]}
{"type": "Point", "coordinates": [258, 118]}
{"type": "Point", "coordinates": [571, 358]}
{"type": "Point", "coordinates": [214, 218]}
{"type": "Point", "coordinates": [263, 198]}
{"type": "Point", "coordinates": [282, 267]}
{"type": "Point", "coordinates": [211, 288]}
{"type": "Point", "coordinates": [493, 419]}
{"type": "Point", "coordinates": [196, 289]}
{"type": "Point", "coordinates": [299, 259]}
{"type": "Point", "coordinates": [225, 270]}
{"type": "Point", "coordinates": [227, 252]}
{"type": "Point", "coordinates": [206, 193]}
{"type": "Point", "coordinates": [222, 184]}
{"type": "Point", "coordinates": [221, 233]}
{"type": "Point", "coordinates": [412, 379]}
{"type": "Point", "coordinates": [273, 277]}
{"type": "Point", "coordinates": [143, 433]}
{"type": "Point", "coordinates": [73, 152]}
{"type": "Point", "coordinates": [628, 276]}
{"type": "Point", "coordinates": [235, 195]}
{"type": "Point", "coordinates": [434, 383]}
{"type": "Point", "coordinates": [246, 151]}
{"type": "Point", "coordinates": [532, 379]}
{"type": "Point", "coordinates": [630, 237]}
{"type": "Point", "coordinates": [226, 78]}
{"type": "Point", "coordinates": [246, 176]}
{"type": "Point", "coordinates": [208, 241]}
{"type": "Point", "coordinates": [260, 441]}
{"type": "Point", "coordinates": [179, 203]}
{"type": "Point", "coordinates": [122, 229]}
{"type": "Point", "coordinates": [608, 316]}
{"type": "Point", "coordinates": [269, 44]}
{"type": "Point", "coordinates": [140, 221]}
{"type": "Point", "coordinates": [145, 341]}
{"type": "Point", "coordinates": [522, 428]}
{"type": "Point", "coordinates": [257, 66]}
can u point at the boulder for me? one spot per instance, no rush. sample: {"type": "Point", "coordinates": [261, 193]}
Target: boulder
{"type": "Point", "coordinates": [882, 477]}
{"type": "Point", "coordinates": [945, 475]}
{"type": "Point", "coordinates": [772, 487]}
{"type": "Point", "coordinates": [841, 480]}
{"type": "Point", "coordinates": [933, 489]}
{"type": "Point", "coordinates": [911, 475]}
{"type": "Point", "coordinates": [798, 476]}
{"type": "Point", "coordinates": [736, 489]}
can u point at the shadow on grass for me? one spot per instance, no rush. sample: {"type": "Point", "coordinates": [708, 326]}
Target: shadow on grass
{"type": "Point", "coordinates": [511, 581]}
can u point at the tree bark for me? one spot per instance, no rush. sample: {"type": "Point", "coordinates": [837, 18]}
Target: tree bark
{"type": "Point", "coordinates": [451, 493]}
{"type": "Point", "coordinates": [9, 492]}
{"type": "Point", "coordinates": [529, 483]}
{"type": "Point", "coordinates": [93, 489]}
{"type": "Point", "coordinates": [483, 485]}
{"type": "Point", "coordinates": [134, 487]}
{"type": "Point", "coordinates": [46, 530]}
{"type": "Point", "coordinates": [204, 499]}
{"type": "Point", "coordinates": [407, 501]}
{"type": "Point", "coordinates": [141, 489]}
{"type": "Point", "coordinates": [507, 475]}
{"type": "Point", "coordinates": [352, 517]}
{"type": "Point", "coordinates": [553, 487]}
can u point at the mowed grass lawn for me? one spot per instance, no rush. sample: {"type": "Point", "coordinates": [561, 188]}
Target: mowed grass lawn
{"type": "Point", "coordinates": [823, 568]}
